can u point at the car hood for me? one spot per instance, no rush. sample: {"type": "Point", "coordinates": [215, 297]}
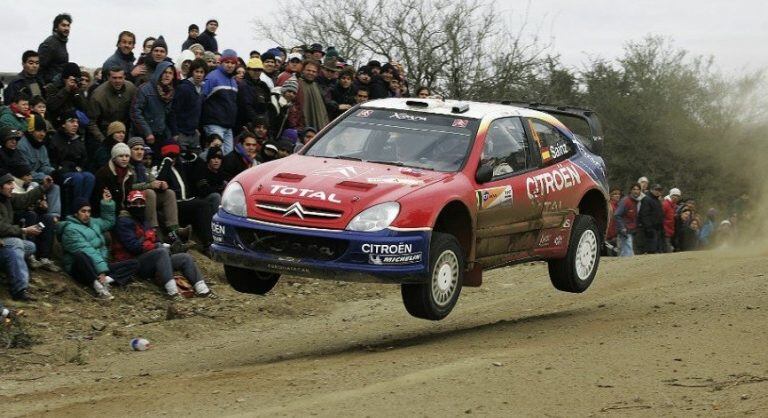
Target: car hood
{"type": "Point", "coordinates": [326, 192]}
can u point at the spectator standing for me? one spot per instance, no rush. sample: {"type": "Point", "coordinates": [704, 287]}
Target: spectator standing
{"type": "Point", "coordinates": [220, 100]}
{"type": "Point", "coordinates": [610, 235]}
{"type": "Point", "coordinates": [29, 80]}
{"type": "Point", "coordinates": [626, 220]}
{"type": "Point", "coordinates": [123, 57]}
{"type": "Point", "coordinates": [53, 50]}
{"type": "Point", "coordinates": [422, 92]}
{"type": "Point", "coordinates": [269, 75]}
{"type": "Point", "coordinates": [706, 232]}
{"type": "Point", "coordinates": [282, 112]}
{"type": "Point", "coordinates": [670, 208]}
{"type": "Point", "coordinates": [147, 66]}
{"type": "Point", "coordinates": [188, 106]}
{"type": "Point", "coordinates": [208, 38]}
{"type": "Point", "coordinates": [152, 108]}
{"type": "Point", "coordinates": [253, 95]}
{"type": "Point", "coordinates": [192, 32]}
{"type": "Point", "coordinates": [650, 221]}
{"type": "Point", "coordinates": [341, 96]}
{"type": "Point", "coordinates": [643, 182]}
{"type": "Point", "coordinates": [310, 98]}
{"type": "Point", "coordinates": [111, 102]}
{"type": "Point", "coordinates": [292, 68]}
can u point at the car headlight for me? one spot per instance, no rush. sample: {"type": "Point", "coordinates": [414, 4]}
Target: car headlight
{"type": "Point", "coordinates": [375, 218]}
{"type": "Point", "coordinates": [233, 200]}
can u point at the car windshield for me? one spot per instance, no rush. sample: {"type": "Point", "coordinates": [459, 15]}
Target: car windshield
{"type": "Point", "coordinates": [411, 139]}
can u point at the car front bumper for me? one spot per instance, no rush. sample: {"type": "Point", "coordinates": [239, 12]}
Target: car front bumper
{"type": "Point", "coordinates": [388, 256]}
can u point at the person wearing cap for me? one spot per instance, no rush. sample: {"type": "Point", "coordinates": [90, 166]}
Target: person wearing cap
{"type": "Point", "coordinates": [208, 38]}
{"type": "Point", "coordinates": [66, 93]}
{"type": "Point", "coordinates": [281, 112]}
{"type": "Point", "coordinates": [310, 98]}
{"type": "Point", "coordinates": [145, 69]}
{"type": "Point", "coordinates": [253, 96]}
{"type": "Point", "coordinates": [188, 106]}
{"type": "Point", "coordinates": [9, 155]}
{"type": "Point", "coordinates": [68, 156]}
{"type": "Point", "coordinates": [159, 200]}
{"type": "Point", "coordinates": [317, 52]}
{"type": "Point", "coordinates": [329, 75]}
{"type": "Point", "coordinates": [102, 155]}
{"type": "Point", "coordinates": [34, 215]}
{"type": "Point", "coordinates": [192, 211]}
{"type": "Point", "coordinates": [220, 100]}
{"type": "Point", "coordinates": [193, 31]}
{"type": "Point", "coordinates": [15, 116]}
{"type": "Point", "coordinates": [86, 250]}
{"type": "Point", "coordinates": [209, 179]}
{"type": "Point", "coordinates": [136, 240]}
{"type": "Point", "coordinates": [669, 206]}
{"type": "Point", "coordinates": [292, 67]}
{"type": "Point", "coordinates": [650, 222]}
{"type": "Point", "coordinates": [14, 247]}
{"type": "Point", "coordinates": [269, 75]}
{"type": "Point", "coordinates": [341, 96]}
{"type": "Point", "coordinates": [28, 80]}
{"type": "Point", "coordinates": [34, 152]}
{"type": "Point", "coordinates": [246, 155]}
{"type": "Point", "coordinates": [152, 114]}
{"type": "Point", "coordinates": [643, 182]}
{"type": "Point", "coordinates": [53, 50]}
{"type": "Point", "coordinates": [123, 57]}
{"type": "Point", "coordinates": [110, 102]}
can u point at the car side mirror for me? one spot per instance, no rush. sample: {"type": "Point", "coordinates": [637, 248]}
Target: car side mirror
{"type": "Point", "coordinates": [484, 174]}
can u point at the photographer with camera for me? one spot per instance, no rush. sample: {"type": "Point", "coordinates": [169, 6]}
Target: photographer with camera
{"type": "Point", "coordinates": [66, 94]}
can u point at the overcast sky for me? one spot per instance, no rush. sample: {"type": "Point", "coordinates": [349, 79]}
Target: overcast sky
{"type": "Point", "coordinates": [735, 32]}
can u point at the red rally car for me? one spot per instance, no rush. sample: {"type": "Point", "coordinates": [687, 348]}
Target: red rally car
{"type": "Point", "coordinates": [426, 194]}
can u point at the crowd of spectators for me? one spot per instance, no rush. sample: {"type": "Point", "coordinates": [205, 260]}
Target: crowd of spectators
{"type": "Point", "coordinates": [125, 166]}
{"type": "Point", "coordinates": [646, 221]}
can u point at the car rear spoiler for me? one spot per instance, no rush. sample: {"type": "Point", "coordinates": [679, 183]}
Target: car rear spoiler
{"type": "Point", "coordinates": [581, 121]}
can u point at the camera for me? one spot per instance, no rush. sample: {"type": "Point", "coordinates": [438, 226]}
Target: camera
{"type": "Point", "coordinates": [41, 225]}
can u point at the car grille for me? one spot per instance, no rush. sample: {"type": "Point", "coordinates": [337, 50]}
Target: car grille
{"type": "Point", "coordinates": [297, 210]}
{"type": "Point", "coordinates": [289, 245]}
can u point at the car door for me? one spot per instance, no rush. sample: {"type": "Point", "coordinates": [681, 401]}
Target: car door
{"type": "Point", "coordinates": [507, 216]}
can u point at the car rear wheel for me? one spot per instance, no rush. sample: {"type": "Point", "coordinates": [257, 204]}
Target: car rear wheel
{"type": "Point", "coordinates": [250, 281]}
{"type": "Point", "coordinates": [577, 270]}
{"type": "Point", "coordinates": [436, 298]}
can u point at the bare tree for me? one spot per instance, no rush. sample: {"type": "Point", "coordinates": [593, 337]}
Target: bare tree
{"type": "Point", "coordinates": [460, 49]}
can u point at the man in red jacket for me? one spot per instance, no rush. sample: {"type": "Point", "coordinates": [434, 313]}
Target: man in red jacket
{"type": "Point", "coordinates": [670, 208]}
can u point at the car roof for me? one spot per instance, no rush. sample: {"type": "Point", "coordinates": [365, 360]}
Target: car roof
{"type": "Point", "coordinates": [476, 110]}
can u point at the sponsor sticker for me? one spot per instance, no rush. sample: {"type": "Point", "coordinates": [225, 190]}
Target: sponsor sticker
{"type": "Point", "coordinates": [460, 123]}
{"type": "Point", "coordinates": [344, 172]}
{"type": "Point", "coordinates": [395, 180]}
{"type": "Point", "coordinates": [400, 253]}
{"type": "Point", "coordinates": [365, 113]}
{"type": "Point", "coordinates": [561, 178]}
{"type": "Point", "coordinates": [308, 193]}
{"type": "Point", "coordinates": [394, 259]}
{"type": "Point", "coordinates": [545, 154]}
{"type": "Point", "coordinates": [558, 240]}
{"type": "Point", "coordinates": [488, 198]}
{"type": "Point", "coordinates": [558, 150]}
{"type": "Point", "coordinates": [406, 116]}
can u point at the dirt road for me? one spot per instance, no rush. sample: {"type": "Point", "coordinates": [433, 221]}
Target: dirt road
{"type": "Point", "coordinates": [675, 335]}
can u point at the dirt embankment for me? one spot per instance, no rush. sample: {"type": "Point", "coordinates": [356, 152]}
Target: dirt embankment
{"type": "Point", "coordinates": [677, 335]}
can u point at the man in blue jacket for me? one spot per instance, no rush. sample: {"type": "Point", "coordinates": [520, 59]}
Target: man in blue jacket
{"type": "Point", "coordinates": [188, 105]}
{"type": "Point", "coordinates": [220, 100]}
{"type": "Point", "coordinates": [122, 58]}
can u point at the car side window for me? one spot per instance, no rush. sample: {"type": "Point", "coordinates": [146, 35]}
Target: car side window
{"type": "Point", "coordinates": [506, 147]}
{"type": "Point", "coordinates": [553, 145]}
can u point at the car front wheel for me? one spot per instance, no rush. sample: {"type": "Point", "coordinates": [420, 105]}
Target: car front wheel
{"type": "Point", "coordinates": [577, 270]}
{"type": "Point", "coordinates": [250, 281]}
{"type": "Point", "coordinates": [435, 298]}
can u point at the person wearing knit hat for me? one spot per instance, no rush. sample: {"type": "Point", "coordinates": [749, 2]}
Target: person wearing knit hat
{"type": "Point", "coordinates": [209, 179]}
{"type": "Point", "coordinates": [291, 85]}
{"type": "Point", "coordinates": [120, 150]}
{"type": "Point", "coordinates": [135, 141]}
{"type": "Point", "coordinates": [115, 134]}
{"type": "Point", "coordinates": [208, 38]}
{"type": "Point", "coordinates": [192, 32]}
{"type": "Point", "coordinates": [86, 252]}
{"type": "Point", "coordinates": [291, 135]}
{"type": "Point", "coordinates": [199, 51]}
{"type": "Point", "coordinates": [220, 110]}
{"type": "Point", "coordinates": [115, 128]}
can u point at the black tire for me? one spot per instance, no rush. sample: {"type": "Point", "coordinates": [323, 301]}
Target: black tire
{"type": "Point", "coordinates": [250, 281]}
{"type": "Point", "coordinates": [573, 273]}
{"type": "Point", "coordinates": [446, 275]}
